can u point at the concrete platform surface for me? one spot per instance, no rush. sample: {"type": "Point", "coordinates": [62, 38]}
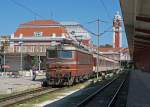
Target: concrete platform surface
{"type": "Point", "coordinates": [10, 85]}
{"type": "Point", "coordinates": [139, 89]}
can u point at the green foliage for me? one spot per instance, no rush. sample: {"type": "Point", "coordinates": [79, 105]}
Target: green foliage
{"type": "Point", "coordinates": [35, 60]}
{"type": "Point", "coordinates": [106, 46]}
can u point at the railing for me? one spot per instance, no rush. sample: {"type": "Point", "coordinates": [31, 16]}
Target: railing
{"type": "Point", "coordinates": [25, 49]}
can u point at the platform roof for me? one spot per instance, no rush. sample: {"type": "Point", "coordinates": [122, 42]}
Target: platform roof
{"type": "Point", "coordinates": [136, 17]}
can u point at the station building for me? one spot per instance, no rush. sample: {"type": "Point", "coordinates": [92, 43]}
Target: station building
{"type": "Point", "coordinates": [116, 53]}
{"type": "Point", "coordinates": [31, 39]}
{"type": "Point", "coordinates": [29, 42]}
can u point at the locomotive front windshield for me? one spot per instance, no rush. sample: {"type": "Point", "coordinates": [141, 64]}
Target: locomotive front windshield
{"type": "Point", "coordinates": [52, 53]}
{"type": "Point", "coordinates": [59, 54]}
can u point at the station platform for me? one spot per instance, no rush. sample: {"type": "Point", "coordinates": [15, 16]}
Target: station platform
{"type": "Point", "coordinates": [11, 85]}
{"type": "Point", "coordinates": [139, 89]}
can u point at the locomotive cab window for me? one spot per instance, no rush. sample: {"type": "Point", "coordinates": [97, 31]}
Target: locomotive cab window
{"type": "Point", "coordinates": [59, 54]}
{"type": "Point", "coordinates": [65, 54]}
{"type": "Point", "coordinates": [52, 53]}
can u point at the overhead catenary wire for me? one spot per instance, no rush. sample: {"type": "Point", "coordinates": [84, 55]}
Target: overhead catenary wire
{"type": "Point", "coordinates": [109, 29]}
{"type": "Point", "coordinates": [113, 5]}
{"type": "Point", "coordinates": [103, 21]}
{"type": "Point", "coordinates": [105, 31]}
{"type": "Point", "coordinates": [26, 8]}
{"type": "Point", "coordinates": [104, 6]}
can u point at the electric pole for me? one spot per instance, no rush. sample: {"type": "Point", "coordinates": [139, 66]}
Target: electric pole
{"type": "Point", "coordinates": [98, 35]}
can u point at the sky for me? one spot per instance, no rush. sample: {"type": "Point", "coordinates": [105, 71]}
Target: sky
{"type": "Point", "coordinates": [15, 12]}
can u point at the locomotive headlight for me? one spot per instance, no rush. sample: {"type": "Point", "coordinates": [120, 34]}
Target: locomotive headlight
{"type": "Point", "coordinates": [67, 67]}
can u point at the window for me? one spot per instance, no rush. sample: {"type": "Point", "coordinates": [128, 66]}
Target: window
{"type": "Point", "coordinates": [65, 54]}
{"type": "Point", "coordinates": [59, 53]}
{"type": "Point", "coordinates": [38, 34]}
{"type": "Point", "coordinates": [52, 53]}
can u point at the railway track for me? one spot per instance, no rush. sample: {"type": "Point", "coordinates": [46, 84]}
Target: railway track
{"type": "Point", "coordinates": [107, 95]}
{"type": "Point", "coordinates": [24, 96]}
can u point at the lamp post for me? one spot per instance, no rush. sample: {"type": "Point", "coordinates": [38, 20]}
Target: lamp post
{"type": "Point", "coordinates": [120, 51]}
{"type": "Point", "coordinates": [39, 60]}
{"type": "Point", "coordinates": [4, 56]}
{"type": "Point", "coordinates": [120, 58]}
{"type": "Point", "coordinates": [98, 35]}
{"type": "Point", "coordinates": [21, 59]}
{"type": "Point", "coordinates": [4, 63]}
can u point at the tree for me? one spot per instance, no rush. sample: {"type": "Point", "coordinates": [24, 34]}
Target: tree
{"type": "Point", "coordinates": [35, 60]}
{"type": "Point", "coordinates": [106, 46]}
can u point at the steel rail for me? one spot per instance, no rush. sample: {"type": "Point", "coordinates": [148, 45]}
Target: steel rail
{"type": "Point", "coordinates": [82, 103]}
{"type": "Point", "coordinates": [113, 100]}
{"type": "Point", "coordinates": [19, 94]}
{"type": "Point", "coordinates": [8, 101]}
{"type": "Point", "coordinates": [87, 99]}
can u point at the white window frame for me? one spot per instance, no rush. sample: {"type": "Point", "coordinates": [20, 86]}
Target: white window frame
{"type": "Point", "coordinates": [38, 34]}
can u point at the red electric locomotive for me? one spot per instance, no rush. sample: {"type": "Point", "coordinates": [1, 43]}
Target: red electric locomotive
{"type": "Point", "coordinates": [68, 64]}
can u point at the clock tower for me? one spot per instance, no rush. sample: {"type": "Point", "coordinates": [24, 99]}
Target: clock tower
{"type": "Point", "coordinates": [117, 31]}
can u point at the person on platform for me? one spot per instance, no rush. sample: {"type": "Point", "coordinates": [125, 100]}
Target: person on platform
{"type": "Point", "coordinates": [34, 73]}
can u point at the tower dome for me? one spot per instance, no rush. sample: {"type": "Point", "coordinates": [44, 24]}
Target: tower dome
{"type": "Point", "coordinates": [117, 16]}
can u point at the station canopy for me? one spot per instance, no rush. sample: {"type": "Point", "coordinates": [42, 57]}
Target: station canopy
{"type": "Point", "coordinates": [136, 17]}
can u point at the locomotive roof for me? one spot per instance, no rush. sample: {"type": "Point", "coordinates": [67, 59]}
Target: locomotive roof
{"type": "Point", "coordinates": [70, 46]}
{"type": "Point", "coordinates": [103, 57]}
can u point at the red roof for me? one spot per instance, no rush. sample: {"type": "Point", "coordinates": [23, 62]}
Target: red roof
{"type": "Point", "coordinates": [114, 49]}
{"type": "Point", "coordinates": [110, 49]}
{"type": "Point", "coordinates": [28, 32]}
{"type": "Point", "coordinates": [28, 29]}
{"type": "Point", "coordinates": [86, 42]}
{"type": "Point", "coordinates": [39, 22]}
{"type": "Point", "coordinates": [125, 50]}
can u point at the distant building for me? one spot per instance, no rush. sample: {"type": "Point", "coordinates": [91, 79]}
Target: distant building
{"type": "Point", "coordinates": [77, 32]}
{"type": "Point", "coordinates": [4, 44]}
{"type": "Point", "coordinates": [112, 53]}
{"type": "Point", "coordinates": [4, 40]}
{"type": "Point", "coordinates": [125, 55]}
{"type": "Point", "coordinates": [31, 39]}
{"type": "Point", "coordinates": [116, 53]}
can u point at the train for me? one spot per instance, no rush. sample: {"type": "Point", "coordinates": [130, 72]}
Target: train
{"type": "Point", "coordinates": [67, 64]}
